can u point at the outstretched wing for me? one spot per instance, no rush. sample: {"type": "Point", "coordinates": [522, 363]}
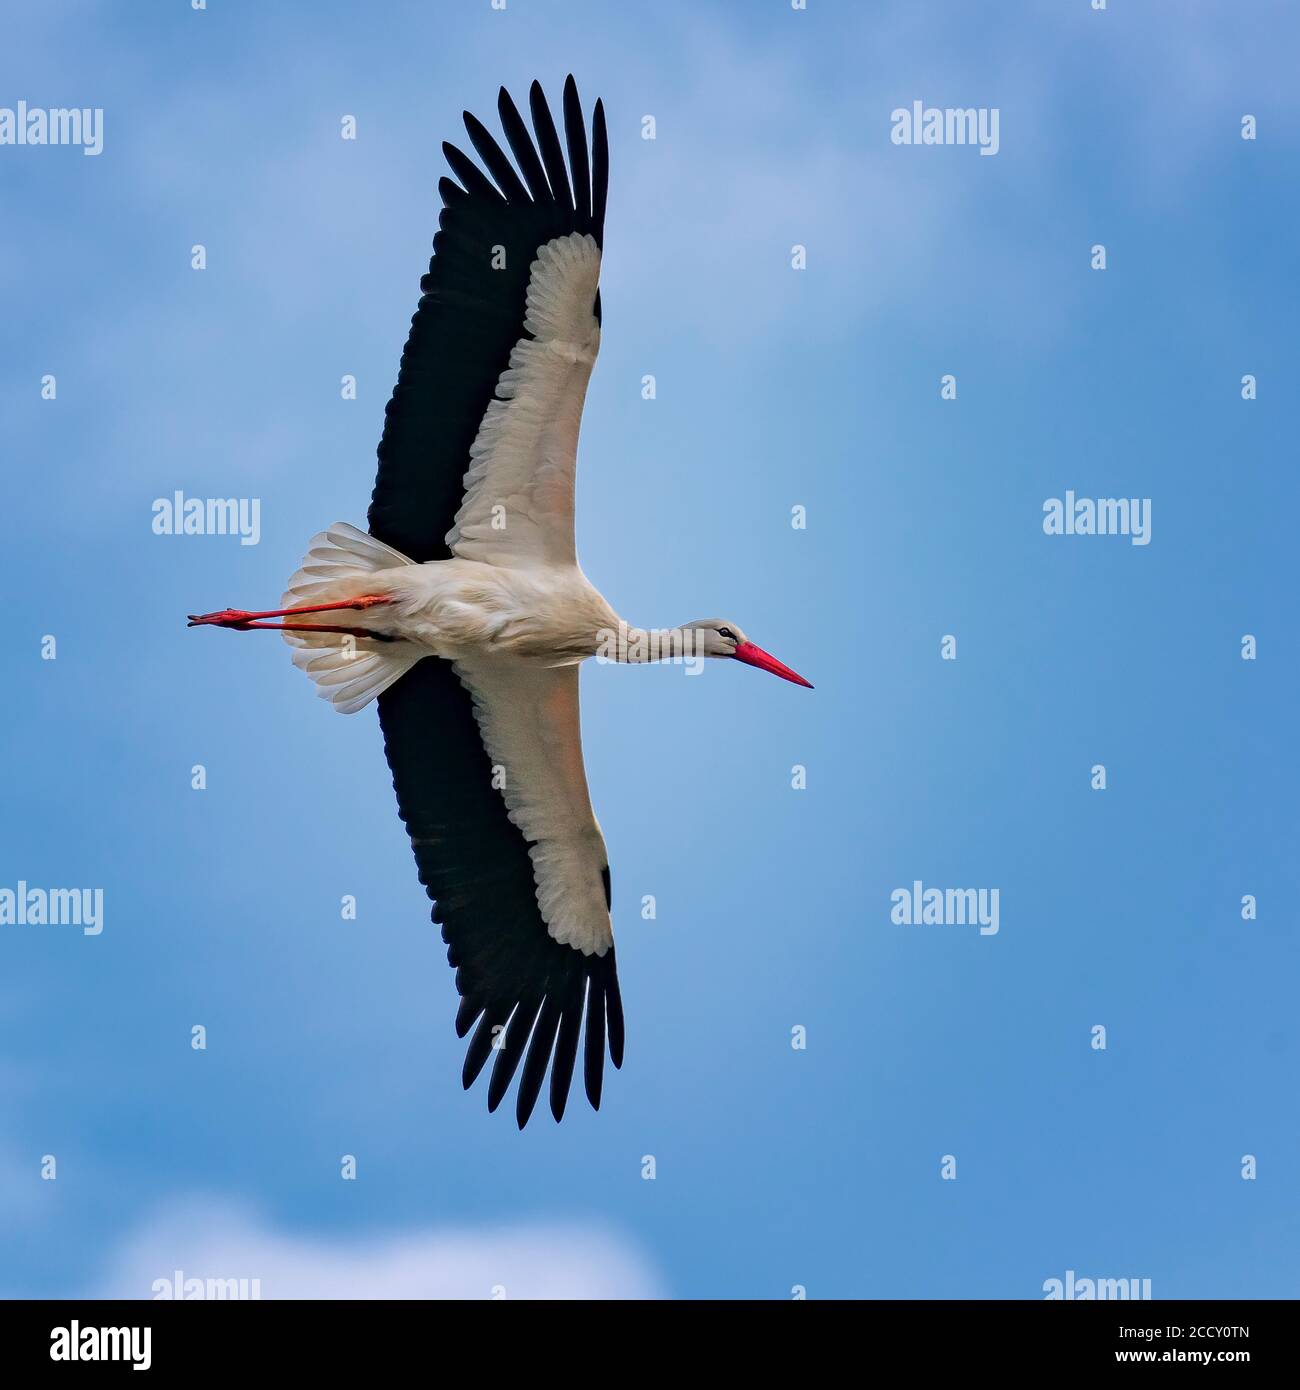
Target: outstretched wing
{"type": "Point", "coordinates": [485, 417]}
{"type": "Point", "coordinates": [474, 312]}
{"type": "Point", "coordinates": [488, 878]}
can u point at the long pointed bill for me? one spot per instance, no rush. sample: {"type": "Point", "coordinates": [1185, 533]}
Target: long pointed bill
{"type": "Point", "coordinates": [765, 661]}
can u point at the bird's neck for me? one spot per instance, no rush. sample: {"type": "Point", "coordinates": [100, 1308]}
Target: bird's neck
{"type": "Point", "coordinates": [638, 646]}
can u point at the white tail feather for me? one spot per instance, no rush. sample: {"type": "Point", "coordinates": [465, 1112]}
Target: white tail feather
{"type": "Point", "coordinates": [349, 671]}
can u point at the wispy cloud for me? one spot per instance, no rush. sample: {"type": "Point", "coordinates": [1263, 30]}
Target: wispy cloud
{"type": "Point", "coordinates": [220, 1241]}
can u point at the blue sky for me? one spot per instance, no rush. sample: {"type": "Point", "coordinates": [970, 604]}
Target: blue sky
{"type": "Point", "coordinates": [775, 388]}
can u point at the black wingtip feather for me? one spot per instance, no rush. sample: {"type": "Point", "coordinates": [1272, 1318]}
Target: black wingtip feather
{"type": "Point", "coordinates": [575, 135]}
{"type": "Point", "coordinates": [614, 1020]}
{"type": "Point", "coordinates": [522, 147]}
{"type": "Point", "coordinates": [503, 1070]}
{"type": "Point", "coordinates": [465, 1016]}
{"type": "Point", "coordinates": [494, 157]}
{"type": "Point", "coordinates": [599, 172]}
{"type": "Point", "coordinates": [593, 1062]}
{"type": "Point", "coordinates": [548, 142]}
{"type": "Point", "coordinates": [475, 181]}
{"type": "Point", "coordinates": [566, 1050]}
{"type": "Point", "coordinates": [539, 1054]}
{"type": "Point", "coordinates": [480, 1046]}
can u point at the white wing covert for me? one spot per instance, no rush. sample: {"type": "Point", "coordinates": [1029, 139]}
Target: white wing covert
{"type": "Point", "coordinates": [518, 506]}
{"type": "Point", "coordinates": [529, 718]}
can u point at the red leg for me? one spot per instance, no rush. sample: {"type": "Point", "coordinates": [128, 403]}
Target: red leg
{"type": "Point", "coordinates": [309, 627]}
{"type": "Point", "coordinates": [243, 620]}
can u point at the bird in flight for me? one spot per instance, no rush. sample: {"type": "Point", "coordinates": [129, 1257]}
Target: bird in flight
{"type": "Point", "coordinates": [464, 613]}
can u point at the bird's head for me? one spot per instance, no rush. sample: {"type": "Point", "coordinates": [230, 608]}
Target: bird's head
{"type": "Point", "coordinates": [719, 637]}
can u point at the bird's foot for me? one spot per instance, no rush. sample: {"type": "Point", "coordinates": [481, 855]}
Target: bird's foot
{"type": "Point", "coordinates": [227, 617]}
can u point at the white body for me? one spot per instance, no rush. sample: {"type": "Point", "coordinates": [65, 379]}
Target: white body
{"type": "Point", "coordinates": [463, 608]}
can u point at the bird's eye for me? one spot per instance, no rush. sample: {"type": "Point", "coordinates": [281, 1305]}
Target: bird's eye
{"type": "Point", "coordinates": [726, 632]}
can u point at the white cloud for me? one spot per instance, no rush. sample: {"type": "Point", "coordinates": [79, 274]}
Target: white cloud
{"type": "Point", "coordinates": [218, 1241]}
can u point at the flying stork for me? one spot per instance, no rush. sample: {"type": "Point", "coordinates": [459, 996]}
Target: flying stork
{"type": "Point", "coordinates": [464, 612]}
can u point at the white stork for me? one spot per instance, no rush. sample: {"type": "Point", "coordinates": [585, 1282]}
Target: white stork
{"type": "Point", "coordinates": [467, 612]}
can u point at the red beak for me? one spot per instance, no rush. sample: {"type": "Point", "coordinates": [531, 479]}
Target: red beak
{"type": "Point", "coordinates": [765, 661]}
